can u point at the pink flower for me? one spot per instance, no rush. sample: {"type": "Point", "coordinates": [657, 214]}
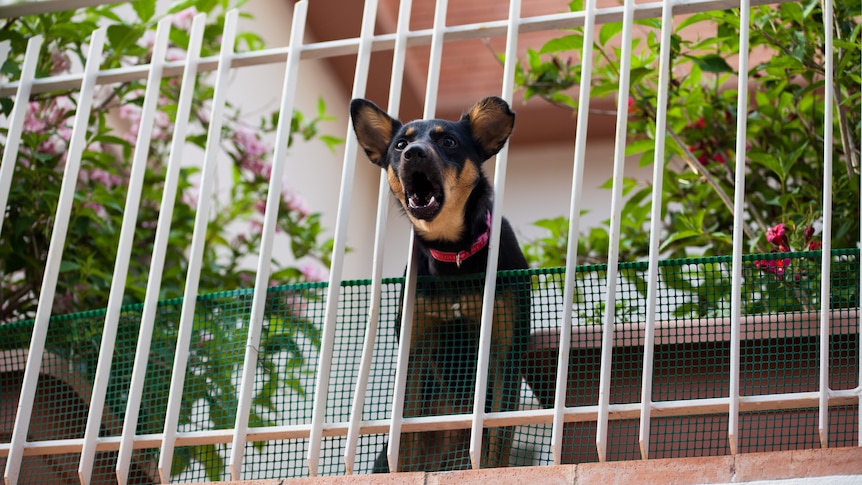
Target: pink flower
{"type": "Point", "coordinates": [298, 306]}
{"type": "Point", "coordinates": [50, 118]}
{"type": "Point", "coordinates": [248, 142]}
{"type": "Point", "coordinates": [99, 209]}
{"type": "Point", "coordinates": [815, 245]}
{"type": "Point", "coordinates": [54, 145]}
{"type": "Point", "coordinates": [296, 203]}
{"type": "Point", "coordinates": [33, 121]}
{"type": "Point", "coordinates": [175, 54]}
{"type": "Point", "coordinates": [190, 197]}
{"type": "Point", "coordinates": [148, 40]}
{"type": "Point", "coordinates": [777, 236]}
{"type": "Point", "coordinates": [256, 228]}
{"type": "Point", "coordinates": [103, 177]}
{"type": "Point", "coordinates": [313, 272]}
{"type": "Point", "coordinates": [60, 62]}
{"type": "Point", "coordinates": [183, 19]}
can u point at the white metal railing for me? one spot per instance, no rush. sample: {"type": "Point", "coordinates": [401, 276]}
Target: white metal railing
{"type": "Point", "coordinates": [367, 42]}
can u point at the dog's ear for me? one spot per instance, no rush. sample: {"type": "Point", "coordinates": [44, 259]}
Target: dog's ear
{"type": "Point", "coordinates": [374, 129]}
{"type": "Point", "coordinates": [491, 122]}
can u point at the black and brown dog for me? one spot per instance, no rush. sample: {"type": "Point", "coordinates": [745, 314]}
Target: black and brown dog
{"type": "Point", "coordinates": [434, 169]}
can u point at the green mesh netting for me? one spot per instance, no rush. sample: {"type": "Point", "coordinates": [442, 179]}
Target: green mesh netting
{"type": "Point", "coordinates": [779, 353]}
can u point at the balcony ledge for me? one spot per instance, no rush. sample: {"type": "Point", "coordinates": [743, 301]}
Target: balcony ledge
{"type": "Point", "coordinates": [815, 467]}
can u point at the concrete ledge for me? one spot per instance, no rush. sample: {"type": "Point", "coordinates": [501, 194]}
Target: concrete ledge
{"type": "Point", "coordinates": [748, 467]}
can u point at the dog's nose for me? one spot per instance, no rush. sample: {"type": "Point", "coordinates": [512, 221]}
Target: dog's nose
{"type": "Point", "coordinates": [415, 153]}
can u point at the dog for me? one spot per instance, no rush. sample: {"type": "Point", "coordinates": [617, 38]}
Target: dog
{"type": "Point", "coordinates": [434, 170]}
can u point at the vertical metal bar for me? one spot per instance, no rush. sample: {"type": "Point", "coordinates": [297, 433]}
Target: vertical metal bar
{"type": "Point", "coordinates": [409, 291]}
{"type": "Point", "coordinates": [738, 234]}
{"type": "Point", "coordinates": [574, 232]}
{"type": "Point", "coordinates": [485, 331]}
{"type": "Point", "coordinates": [403, 357]}
{"type": "Point", "coordinates": [157, 261]}
{"type": "Point", "coordinates": [399, 55]}
{"type": "Point", "coordinates": [6, 47]}
{"type": "Point", "coordinates": [614, 245]}
{"type": "Point", "coordinates": [16, 119]}
{"type": "Point", "coordinates": [655, 224]}
{"type": "Point", "coordinates": [324, 364]}
{"type": "Point", "coordinates": [435, 59]}
{"type": "Point", "coordinates": [187, 315]}
{"type": "Point", "coordinates": [273, 201]}
{"type": "Point", "coordinates": [826, 255]}
{"type": "Point", "coordinates": [124, 253]}
{"type": "Point", "coordinates": [77, 143]}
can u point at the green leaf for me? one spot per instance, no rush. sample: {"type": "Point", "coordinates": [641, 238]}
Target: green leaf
{"type": "Point", "coordinates": [639, 146]}
{"type": "Point", "coordinates": [678, 236]}
{"type": "Point", "coordinates": [144, 8]}
{"type": "Point", "coordinates": [713, 63]}
{"type": "Point", "coordinates": [6, 105]}
{"type": "Point", "coordinates": [67, 266]}
{"type": "Point", "coordinates": [692, 19]}
{"type": "Point", "coordinates": [609, 31]}
{"type": "Point", "coordinates": [569, 42]}
{"type": "Point", "coordinates": [120, 35]}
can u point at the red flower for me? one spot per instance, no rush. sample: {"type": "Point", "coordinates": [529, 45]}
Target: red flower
{"type": "Point", "coordinates": [774, 266]}
{"type": "Point", "coordinates": [776, 235]}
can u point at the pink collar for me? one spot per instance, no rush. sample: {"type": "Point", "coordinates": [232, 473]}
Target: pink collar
{"type": "Point", "coordinates": [457, 257]}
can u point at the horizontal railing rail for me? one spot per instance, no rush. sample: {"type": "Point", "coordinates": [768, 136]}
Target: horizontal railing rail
{"type": "Point", "coordinates": [606, 376]}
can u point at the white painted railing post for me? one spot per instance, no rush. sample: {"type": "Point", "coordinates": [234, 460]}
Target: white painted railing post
{"type": "Point", "coordinates": [124, 253]}
{"type": "Point", "coordinates": [157, 261]}
{"type": "Point", "coordinates": [409, 299]}
{"type": "Point", "coordinates": [579, 162]}
{"type": "Point", "coordinates": [190, 294]}
{"type": "Point", "coordinates": [270, 223]}
{"type": "Point", "coordinates": [77, 143]}
{"type": "Point", "coordinates": [615, 223]}
{"type": "Point", "coordinates": [371, 328]}
{"type": "Point", "coordinates": [16, 119]}
{"type": "Point", "coordinates": [324, 364]}
{"type": "Point", "coordinates": [487, 321]}
{"type": "Point", "coordinates": [826, 236]}
{"type": "Point", "coordinates": [655, 225]}
{"type": "Point", "coordinates": [738, 221]}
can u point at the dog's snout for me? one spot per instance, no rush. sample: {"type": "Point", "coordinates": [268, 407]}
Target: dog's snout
{"type": "Point", "coordinates": [415, 152]}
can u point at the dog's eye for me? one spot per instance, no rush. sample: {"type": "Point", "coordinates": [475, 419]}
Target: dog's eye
{"type": "Point", "coordinates": [448, 142]}
{"type": "Point", "coordinates": [401, 144]}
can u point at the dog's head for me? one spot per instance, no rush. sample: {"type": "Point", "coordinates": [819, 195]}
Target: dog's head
{"type": "Point", "coordinates": [433, 165]}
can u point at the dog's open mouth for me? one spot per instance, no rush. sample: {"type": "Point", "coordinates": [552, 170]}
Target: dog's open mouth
{"type": "Point", "coordinates": [424, 197]}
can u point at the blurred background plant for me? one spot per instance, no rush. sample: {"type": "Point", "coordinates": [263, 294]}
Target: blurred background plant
{"type": "Point", "coordinates": [785, 146]}
{"type": "Point", "coordinates": [234, 232]}
{"type": "Point", "coordinates": [785, 126]}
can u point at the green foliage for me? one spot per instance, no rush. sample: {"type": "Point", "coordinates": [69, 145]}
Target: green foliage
{"type": "Point", "coordinates": [784, 137]}
{"type": "Point", "coordinates": [234, 233]}
{"type": "Point", "coordinates": [784, 140]}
